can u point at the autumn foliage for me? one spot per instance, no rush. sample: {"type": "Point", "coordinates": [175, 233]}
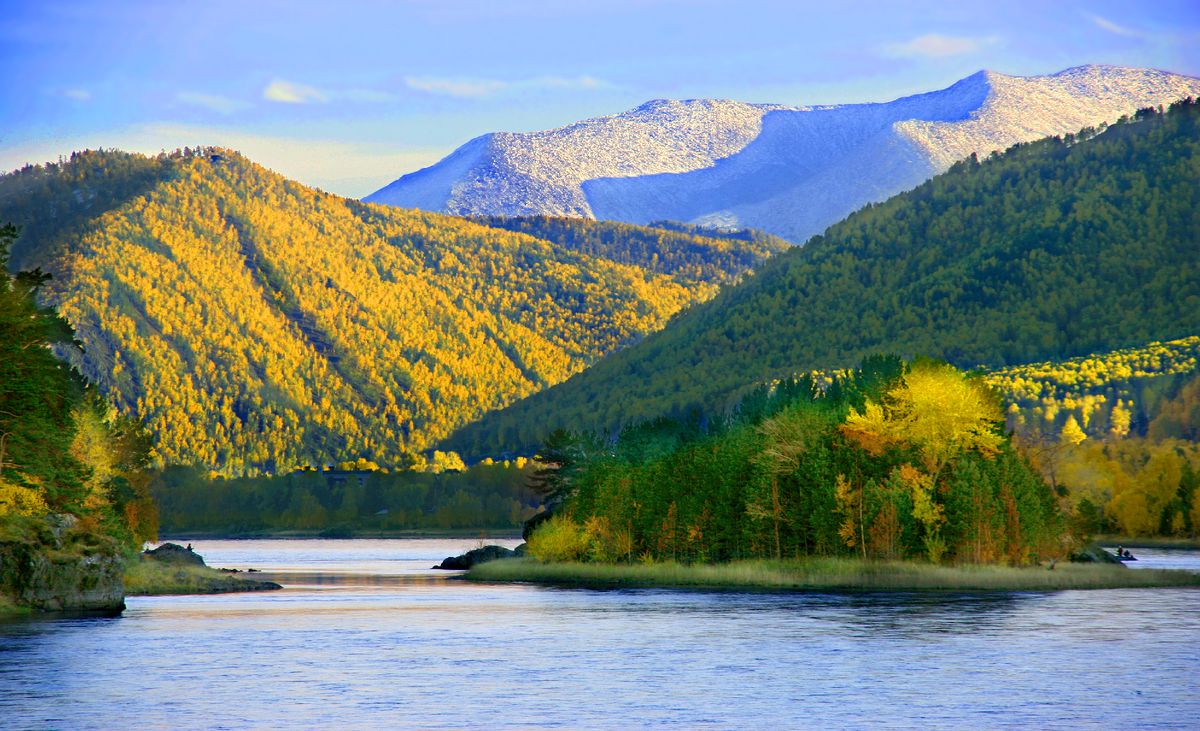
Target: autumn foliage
{"type": "Point", "coordinates": [893, 460]}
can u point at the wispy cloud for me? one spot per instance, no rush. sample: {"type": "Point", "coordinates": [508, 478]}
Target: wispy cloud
{"type": "Point", "coordinates": [79, 95]}
{"type": "Point", "coordinates": [935, 45]}
{"type": "Point", "coordinates": [477, 88]}
{"type": "Point", "coordinates": [456, 87]}
{"type": "Point", "coordinates": [219, 104]}
{"type": "Point", "coordinates": [370, 96]}
{"type": "Point", "coordinates": [1112, 27]}
{"type": "Point", "coordinates": [285, 91]}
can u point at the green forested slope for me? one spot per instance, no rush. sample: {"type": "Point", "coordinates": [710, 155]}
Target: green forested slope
{"type": "Point", "coordinates": [1051, 250]}
{"type": "Point", "coordinates": [255, 324]}
{"type": "Point", "coordinates": [665, 247]}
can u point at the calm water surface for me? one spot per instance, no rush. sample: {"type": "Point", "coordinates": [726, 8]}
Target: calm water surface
{"type": "Point", "coordinates": [365, 636]}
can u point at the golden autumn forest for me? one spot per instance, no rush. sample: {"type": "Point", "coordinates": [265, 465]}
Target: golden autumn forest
{"type": "Point", "coordinates": [256, 325]}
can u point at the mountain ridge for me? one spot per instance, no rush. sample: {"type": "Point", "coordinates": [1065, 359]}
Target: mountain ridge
{"type": "Point", "coordinates": [790, 171]}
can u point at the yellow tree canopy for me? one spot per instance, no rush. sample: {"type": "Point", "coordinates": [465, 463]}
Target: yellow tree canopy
{"type": "Point", "coordinates": [936, 408]}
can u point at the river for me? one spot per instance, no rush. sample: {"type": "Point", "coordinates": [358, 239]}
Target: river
{"type": "Point", "coordinates": [365, 636]}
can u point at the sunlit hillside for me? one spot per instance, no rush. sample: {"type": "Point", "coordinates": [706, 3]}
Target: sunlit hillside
{"type": "Point", "coordinates": [255, 324]}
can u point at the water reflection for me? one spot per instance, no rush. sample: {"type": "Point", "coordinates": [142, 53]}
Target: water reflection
{"type": "Point", "coordinates": [295, 579]}
{"type": "Point", "coordinates": [412, 648]}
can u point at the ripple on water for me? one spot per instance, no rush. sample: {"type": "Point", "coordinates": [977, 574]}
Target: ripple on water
{"type": "Point", "coordinates": [365, 636]}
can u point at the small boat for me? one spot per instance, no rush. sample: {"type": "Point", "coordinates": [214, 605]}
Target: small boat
{"type": "Point", "coordinates": [1126, 558]}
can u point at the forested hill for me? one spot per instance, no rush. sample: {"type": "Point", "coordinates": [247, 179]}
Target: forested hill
{"type": "Point", "coordinates": [665, 247]}
{"type": "Point", "coordinates": [256, 324]}
{"type": "Point", "coordinates": [1053, 249]}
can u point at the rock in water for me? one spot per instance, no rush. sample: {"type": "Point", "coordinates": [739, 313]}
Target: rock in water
{"type": "Point", "coordinates": [175, 553]}
{"type": "Point", "coordinates": [1094, 554]}
{"type": "Point", "coordinates": [477, 556]}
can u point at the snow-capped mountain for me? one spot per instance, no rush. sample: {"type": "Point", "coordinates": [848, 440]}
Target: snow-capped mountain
{"type": "Point", "coordinates": [791, 171]}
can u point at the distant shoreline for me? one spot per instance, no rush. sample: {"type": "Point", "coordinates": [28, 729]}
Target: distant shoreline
{"type": "Point", "coordinates": [831, 574]}
{"type": "Point", "coordinates": [1148, 542]}
{"type": "Point", "coordinates": [513, 534]}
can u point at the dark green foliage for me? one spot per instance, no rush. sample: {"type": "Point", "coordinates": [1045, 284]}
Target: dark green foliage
{"type": "Point", "coordinates": [561, 457]}
{"type": "Point", "coordinates": [37, 392]}
{"type": "Point", "coordinates": [485, 496]}
{"type": "Point", "coordinates": [750, 235]}
{"type": "Point", "coordinates": [1053, 249]}
{"type": "Point", "coordinates": [662, 247]}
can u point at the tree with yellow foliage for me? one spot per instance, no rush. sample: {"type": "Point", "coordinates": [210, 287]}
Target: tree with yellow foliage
{"type": "Point", "coordinates": [942, 413]}
{"type": "Point", "coordinates": [938, 409]}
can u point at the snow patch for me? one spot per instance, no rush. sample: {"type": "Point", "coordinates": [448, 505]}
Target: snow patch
{"type": "Point", "coordinates": [792, 171]}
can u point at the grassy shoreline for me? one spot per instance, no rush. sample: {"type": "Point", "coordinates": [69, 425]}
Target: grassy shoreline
{"type": "Point", "coordinates": [831, 574]}
{"type": "Point", "coordinates": [148, 577]}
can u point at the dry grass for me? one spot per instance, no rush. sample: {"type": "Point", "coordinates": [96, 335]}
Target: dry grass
{"type": "Point", "coordinates": [832, 574]}
{"type": "Point", "coordinates": [147, 577]}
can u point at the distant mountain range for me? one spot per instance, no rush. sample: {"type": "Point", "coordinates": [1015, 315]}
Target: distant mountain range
{"type": "Point", "coordinates": [790, 171]}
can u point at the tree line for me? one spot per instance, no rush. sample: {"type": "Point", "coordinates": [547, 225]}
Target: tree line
{"type": "Point", "coordinates": [894, 460]}
{"type": "Point", "coordinates": [342, 502]}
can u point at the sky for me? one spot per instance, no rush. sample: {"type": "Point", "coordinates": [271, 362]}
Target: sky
{"type": "Point", "coordinates": [347, 96]}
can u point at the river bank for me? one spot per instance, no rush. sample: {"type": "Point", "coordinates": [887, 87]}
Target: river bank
{"type": "Point", "coordinates": [831, 574]}
{"type": "Point", "coordinates": [1144, 542]}
{"type": "Point", "coordinates": [341, 533]}
{"type": "Point", "coordinates": [56, 564]}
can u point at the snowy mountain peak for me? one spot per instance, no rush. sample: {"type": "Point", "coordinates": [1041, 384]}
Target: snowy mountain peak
{"type": "Point", "coordinates": [791, 171]}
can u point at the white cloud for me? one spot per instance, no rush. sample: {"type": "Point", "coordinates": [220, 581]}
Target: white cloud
{"type": "Point", "coordinates": [219, 104]}
{"type": "Point", "coordinates": [476, 88]}
{"type": "Point", "coordinates": [934, 45]}
{"type": "Point", "coordinates": [79, 95]}
{"type": "Point", "coordinates": [1112, 27]}
{"type": "Point", "coordinates": [285, 91]}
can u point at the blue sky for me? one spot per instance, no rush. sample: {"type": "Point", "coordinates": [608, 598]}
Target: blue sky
{"type": "Point", "coordinates": [347, 96]}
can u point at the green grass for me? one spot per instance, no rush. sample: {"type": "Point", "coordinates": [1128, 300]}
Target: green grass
{"type": "Point", "coordinates": [9, 608]}
{"type": "Point", "coordinates": [832, 574]}
{"type": "Point", "coordinates": [148, 577]}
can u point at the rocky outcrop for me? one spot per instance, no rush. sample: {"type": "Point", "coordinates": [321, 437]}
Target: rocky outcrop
{"type": "Point", "coordinates": [1094, 554]}
{"type": "Point", "coordinates": [174, 569]}
{"type": "Point", "coordinates": [48, 566]}
{"type": "Point", "coordinates": [175, 553]}
{"type": "Point", "coordinates": [478, 556]}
